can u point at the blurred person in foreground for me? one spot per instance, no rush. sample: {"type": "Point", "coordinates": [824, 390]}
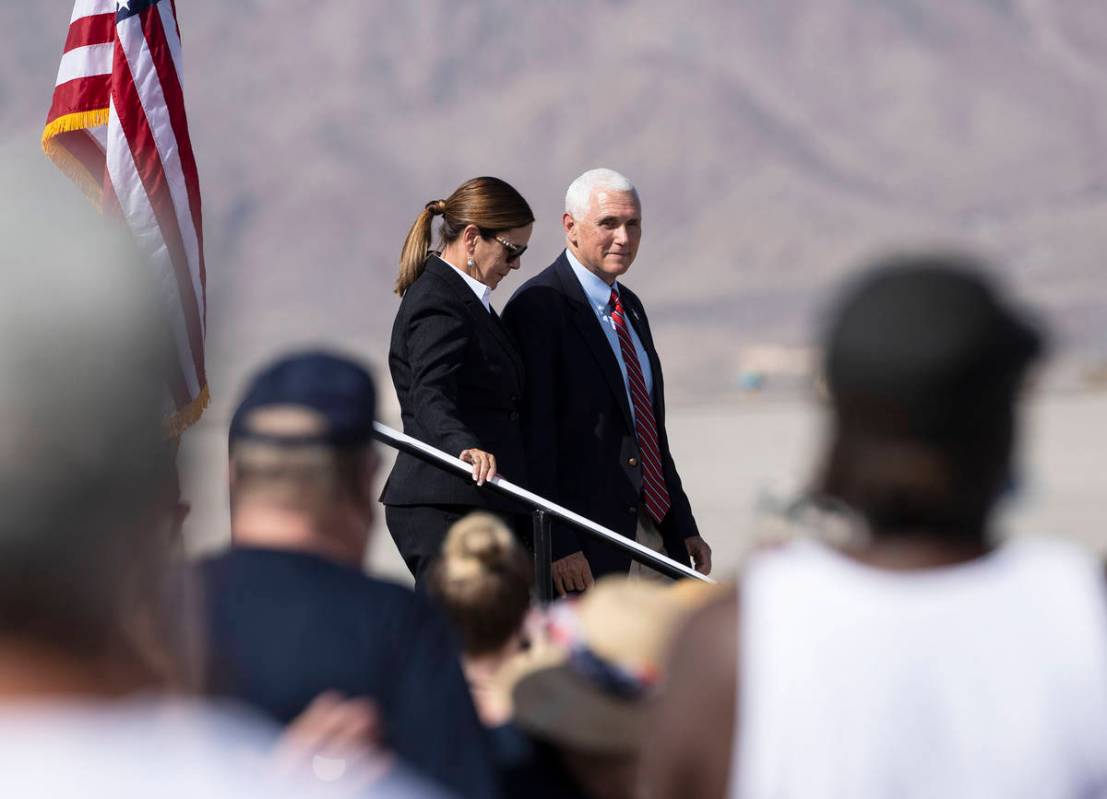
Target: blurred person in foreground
{"type": "Point", "coordinates": [594, 416]}
{"type": "Point", "coordinates": [482, 580]}
{"type": "Point", "coordinates": [583, 699]}
{"type": "Point", "coordinates": [94, 677]}
{"type": "Point", "coordinates": [289, 612]}
{"type": "Point", "coordinates": [457, 373]}
{"type": "Point", "coordinates": [925, 657]}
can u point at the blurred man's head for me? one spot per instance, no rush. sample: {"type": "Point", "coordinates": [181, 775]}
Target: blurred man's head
{"type": "Point", "coordinates": [85, 466]}
{"type": "Point", "coordinates": [924, 362]}
{"type": "Point", "coordinates": [603, 222]}
{"type": "Point", "coordinates": [301, 457]}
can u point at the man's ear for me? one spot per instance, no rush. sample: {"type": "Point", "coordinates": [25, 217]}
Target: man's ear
{"type": "Point", "coordinates": [570, 227]}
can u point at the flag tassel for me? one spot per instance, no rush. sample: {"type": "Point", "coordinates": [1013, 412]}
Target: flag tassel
{"type": "Point", "coordinates": [81, 120]}
{"type": "Point", "coordinates": [187, 416]}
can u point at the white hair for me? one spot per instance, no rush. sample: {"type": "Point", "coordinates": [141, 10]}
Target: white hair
{"type": "Point", "coordinates": [579, 196]}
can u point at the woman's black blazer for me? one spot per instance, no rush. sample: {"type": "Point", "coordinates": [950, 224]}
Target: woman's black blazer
{"type": "Point", "coordinates": [459, 379]}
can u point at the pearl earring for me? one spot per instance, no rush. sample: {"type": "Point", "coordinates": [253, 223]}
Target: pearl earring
{"type": "Point", "coordinates": [472, 264]}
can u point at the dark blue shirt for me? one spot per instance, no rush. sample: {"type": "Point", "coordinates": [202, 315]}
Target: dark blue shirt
{"type": "Point", "coordinates": [285, 626]}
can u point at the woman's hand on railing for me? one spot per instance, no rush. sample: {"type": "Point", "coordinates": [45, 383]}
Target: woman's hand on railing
{"type": "Point", "coordinates": [484, 464]}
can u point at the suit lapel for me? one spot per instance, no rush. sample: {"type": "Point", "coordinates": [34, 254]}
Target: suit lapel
{"type": "Point", "coordinates": [584, 318]}
{"type": "Point", "coordinates": [509, 346]}
{"type": "Point", "coordinates": [486, 319]}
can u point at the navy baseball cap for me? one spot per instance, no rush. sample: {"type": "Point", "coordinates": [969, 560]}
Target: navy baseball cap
{"type": "Point", "coordinates": [337, 388]}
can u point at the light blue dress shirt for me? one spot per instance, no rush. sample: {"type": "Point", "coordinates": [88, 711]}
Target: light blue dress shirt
{"type": "Point", "coordinates": [599, 298]}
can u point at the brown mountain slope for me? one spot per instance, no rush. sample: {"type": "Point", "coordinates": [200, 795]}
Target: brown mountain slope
{"type": "Point", "coordinates": [774, 142]}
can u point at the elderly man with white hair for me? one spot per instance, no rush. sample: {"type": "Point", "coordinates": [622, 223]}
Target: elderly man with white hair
{"type": "Point", "coordinates": [594, 411]}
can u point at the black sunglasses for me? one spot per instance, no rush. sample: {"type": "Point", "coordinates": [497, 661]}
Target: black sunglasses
{"type": "Point", "coordinates": [514, 251]}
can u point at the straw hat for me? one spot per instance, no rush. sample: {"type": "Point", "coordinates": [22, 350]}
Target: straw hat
{"type": "Point", "coordinates": [593, 693]}
{"type": "Point", "coordinates": [692, 595]}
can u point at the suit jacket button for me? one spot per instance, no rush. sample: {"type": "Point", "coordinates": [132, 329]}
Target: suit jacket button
{"type": "Point", "coordinates": [632, 508]}
{"type": "Point", "coordinates": [632, 461]}
{"type": "Point", "coordinates": [514, 416]}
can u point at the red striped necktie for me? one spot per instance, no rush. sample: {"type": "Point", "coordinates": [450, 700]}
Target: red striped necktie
{"type": "Point", "coordinates": [654, 493]}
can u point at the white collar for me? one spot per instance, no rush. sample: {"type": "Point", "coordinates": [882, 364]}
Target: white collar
{"type": "Point", "coordinates": [484, 294]}
{"type": "Point", "coordinates": [595, 288]}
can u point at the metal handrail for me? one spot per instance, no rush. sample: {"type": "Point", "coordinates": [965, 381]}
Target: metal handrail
{"type": "Point", "coordinates": [542, 509]}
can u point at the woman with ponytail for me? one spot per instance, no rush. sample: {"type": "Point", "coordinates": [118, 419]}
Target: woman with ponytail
{"type": "Point", "coordinates": [457, 373]}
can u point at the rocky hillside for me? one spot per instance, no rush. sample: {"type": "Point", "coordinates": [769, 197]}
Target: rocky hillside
{"type": "Point", "coordinates": [775, 142]}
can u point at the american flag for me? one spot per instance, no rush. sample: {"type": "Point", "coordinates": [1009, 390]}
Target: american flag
{"type": "Point", "coordinates": [117, 127]}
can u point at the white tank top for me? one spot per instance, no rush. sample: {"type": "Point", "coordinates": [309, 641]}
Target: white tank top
{"type": "Point", "coordinates": [986, 679]}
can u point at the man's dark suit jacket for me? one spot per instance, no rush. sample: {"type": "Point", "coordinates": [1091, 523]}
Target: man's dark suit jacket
{"type": "Point", "coordinates": [582, 451]}
{"type": "Point", "coordinates": [282, 627]}
{"type": "Point", "coordinates": [459, 379]}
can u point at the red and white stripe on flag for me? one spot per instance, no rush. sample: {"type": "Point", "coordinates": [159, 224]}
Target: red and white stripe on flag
{"type": "Point", "coordinates": [117, 127]}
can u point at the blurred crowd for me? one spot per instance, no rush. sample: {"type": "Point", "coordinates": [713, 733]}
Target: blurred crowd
{"type": "Point", "coordinates": [918, 656]}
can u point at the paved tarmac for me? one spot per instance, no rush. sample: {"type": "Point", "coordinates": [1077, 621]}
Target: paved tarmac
{"type": "Point", "coordinates": [743, 460]}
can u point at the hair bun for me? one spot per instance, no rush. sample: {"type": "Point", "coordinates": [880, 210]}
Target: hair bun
{"type": "Point", "coordinates": [483, 581]}
{"type": "Point", "coordinates": [480, 543]}
{"type": "Point", "coordinates": [436, 207]}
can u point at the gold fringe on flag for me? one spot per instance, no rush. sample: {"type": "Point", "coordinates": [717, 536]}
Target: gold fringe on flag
{"type": "Point", "coordinates": [187, 416]}
{"type": "Point", "coordinates": [93, 188]}
{"type": "Point", "coordinates": [81, 120]}
{"type": "Point", "coordinates": [90, 184]}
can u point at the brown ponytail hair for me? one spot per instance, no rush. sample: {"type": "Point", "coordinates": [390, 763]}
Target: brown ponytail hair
{"type": "Point", "coordinates": [489, 203]}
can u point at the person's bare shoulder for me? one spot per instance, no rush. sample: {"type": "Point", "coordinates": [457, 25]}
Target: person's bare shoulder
{"type": "Point", "coordinates": [691, 737]}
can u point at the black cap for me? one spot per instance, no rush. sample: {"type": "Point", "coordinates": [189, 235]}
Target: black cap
{"type": "Point", "coordinates": [337, 388]}
{"type": "Point", "coordinates": [926, 345]}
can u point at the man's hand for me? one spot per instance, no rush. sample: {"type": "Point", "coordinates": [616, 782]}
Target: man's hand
{"type": "Point", "coordinates": [572, 573]}
{"type": "Point", "coordinates": [700, 553]}
{"type": "Point", "coordinates": [484, 464]}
